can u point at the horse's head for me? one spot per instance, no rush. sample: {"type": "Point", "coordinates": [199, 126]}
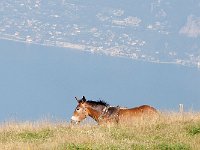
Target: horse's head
{"type": "Point", "coordinates": [80, 112]}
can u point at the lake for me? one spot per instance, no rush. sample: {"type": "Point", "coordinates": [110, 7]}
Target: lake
{"type": "Point", "coordinates": [39, 82]}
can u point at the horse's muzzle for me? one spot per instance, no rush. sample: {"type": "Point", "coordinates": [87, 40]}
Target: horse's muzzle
{"type": "Point", "coordinates": [73, 122]}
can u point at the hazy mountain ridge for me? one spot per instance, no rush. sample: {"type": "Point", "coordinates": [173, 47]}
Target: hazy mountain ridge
{"type": "Point", "coordinates": [157, 31]}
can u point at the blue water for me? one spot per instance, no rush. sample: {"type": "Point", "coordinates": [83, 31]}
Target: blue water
{"type": "Point", "coordinates": [39, 81]}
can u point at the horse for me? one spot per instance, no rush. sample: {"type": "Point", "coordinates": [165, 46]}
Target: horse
{"type": "Point", "coordinates": [102, 112]}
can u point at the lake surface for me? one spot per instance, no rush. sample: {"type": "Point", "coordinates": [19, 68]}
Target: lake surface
{"type": "Point", "coordinates": [39, 81]}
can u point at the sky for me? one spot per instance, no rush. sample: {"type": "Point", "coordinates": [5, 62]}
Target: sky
{"type": "Point", "coordinates": [126, 53]}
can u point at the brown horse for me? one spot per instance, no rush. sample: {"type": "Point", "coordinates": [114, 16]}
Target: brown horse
{"type": "Point", "coordinates": [102, 112]}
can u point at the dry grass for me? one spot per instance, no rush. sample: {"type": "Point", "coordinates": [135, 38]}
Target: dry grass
{"type": "Point", "coordinates": [172, 131]}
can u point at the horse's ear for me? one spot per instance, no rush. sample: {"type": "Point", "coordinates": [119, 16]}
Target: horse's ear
{"type": "Point", "coordinates": [77, 99]}
{"type": "Point", "coordinates": [84, 99]}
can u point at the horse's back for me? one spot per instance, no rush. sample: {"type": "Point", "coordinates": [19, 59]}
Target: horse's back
{"type": "Point", "coordinates": [140, 109]}
{"type": "Point", "coordinates": [144, 111]}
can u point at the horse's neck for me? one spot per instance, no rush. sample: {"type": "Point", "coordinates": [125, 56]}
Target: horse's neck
{"type": "Point", "coordinates": [95, 112]}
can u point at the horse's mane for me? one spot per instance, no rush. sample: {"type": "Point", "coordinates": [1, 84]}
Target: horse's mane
{"type": "Point", "coordinates": [99, 102]}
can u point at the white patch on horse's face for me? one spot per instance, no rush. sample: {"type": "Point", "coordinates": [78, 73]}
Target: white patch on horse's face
{"type": "Point", "coordinates": [73, 118]}
{"type": "Point", "coordinates": [80, 113]}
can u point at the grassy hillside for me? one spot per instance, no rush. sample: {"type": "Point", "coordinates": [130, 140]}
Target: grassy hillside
{"type": "Point", "coordinates": [171, 131]}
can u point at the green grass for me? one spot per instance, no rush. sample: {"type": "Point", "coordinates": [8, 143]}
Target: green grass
{"type": "Point", "coordinates": [175, 146]}
{"type": "Point", "coordinates": [73, 146]}
{"type": "Point", "coordinates": [170, 132]}
{"type": "Point", "coordinates": [31, 136]}
{"type": "Point", "coordinates": [194, 129]}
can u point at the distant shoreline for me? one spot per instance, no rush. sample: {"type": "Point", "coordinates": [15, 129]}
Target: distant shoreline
{"type": "Point", "coordinates": [85, 48]}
